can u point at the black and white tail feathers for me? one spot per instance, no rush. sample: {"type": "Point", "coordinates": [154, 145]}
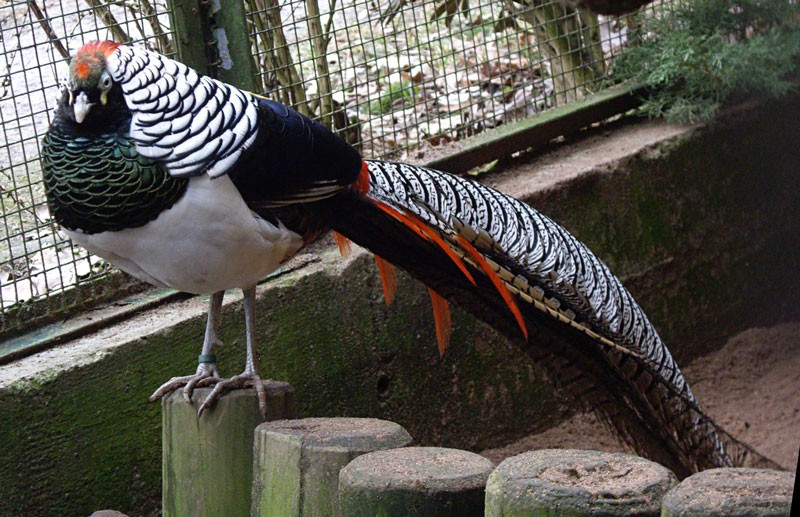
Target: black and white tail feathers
{"type": "Point", "coordinates": [525, 275]}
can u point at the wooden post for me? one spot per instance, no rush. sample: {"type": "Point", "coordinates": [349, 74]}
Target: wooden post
{"type": "Point", "coordinates": [732, 492]}
{"type": "Point", "coordinates": [208, 461]}
{"type": "Point", "coordinates": [297, 462]}
{"type": "Point", "coordinates": [232, 36]}
{"type": "Point", "coordinates": [418, 481]}
{"type": "Point", "coordinates": [576, 483]}
{"type": "Point", "coordinates": [213, 38]}
{"type": "Point", "coordinates": [188, 26]}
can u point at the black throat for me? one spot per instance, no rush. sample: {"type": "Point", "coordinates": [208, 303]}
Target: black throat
{"type": "Point", "coordinates": [95, 180]}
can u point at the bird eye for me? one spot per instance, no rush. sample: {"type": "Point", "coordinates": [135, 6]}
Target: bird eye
{"type": "Point", "coordinates": [105, 81]}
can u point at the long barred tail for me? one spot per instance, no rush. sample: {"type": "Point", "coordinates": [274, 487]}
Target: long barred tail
{"type": "Point", "coordinates": [532, 280]}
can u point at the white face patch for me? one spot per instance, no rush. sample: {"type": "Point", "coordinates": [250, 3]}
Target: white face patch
{"type": "Point", "coordinates": [191, 123]}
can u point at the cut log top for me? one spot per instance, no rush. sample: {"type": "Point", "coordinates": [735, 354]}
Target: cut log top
{"type": "Point", "coordinates": [593, 471]}
{"type": "Point", "coordinates": [354, 434]}
{"type": "Point", "coordinates": [576, 482]}
{"type": "Point", "coordinates": [732, 491]}
{"type": "Point", "coordinates": [434, 468]}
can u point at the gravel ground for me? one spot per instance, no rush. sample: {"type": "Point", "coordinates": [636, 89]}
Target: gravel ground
{"type": "Point", "coordinates": [750, 386]}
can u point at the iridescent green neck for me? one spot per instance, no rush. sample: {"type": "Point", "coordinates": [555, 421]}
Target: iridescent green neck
{"type": "Point", "coordinates": [98, 182]}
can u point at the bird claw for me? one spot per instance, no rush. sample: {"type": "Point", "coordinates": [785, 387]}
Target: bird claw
{"type": "Point", "coordinates": [206, 377]}
{"type": "Point", "coordinates": [241, 381]}
{"type": "Point", "coordinates": [206, 374]}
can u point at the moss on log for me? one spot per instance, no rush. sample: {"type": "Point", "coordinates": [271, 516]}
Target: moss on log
{"type": "Point", "coordinates": [208, 461]}
{"type": "Point", "coordinates": [419, 481]}
{"type": "Point", "coordinates": [297, 462]}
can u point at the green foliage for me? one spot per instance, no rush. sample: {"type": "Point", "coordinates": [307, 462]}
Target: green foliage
{"type": "Point", "coordinates": [398, 92]}
{"type": "Point", "coordinates": [709, 51]}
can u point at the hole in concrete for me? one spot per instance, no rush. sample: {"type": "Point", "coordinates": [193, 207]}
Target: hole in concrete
{"type": "Point", "coordinates": [382, 386]}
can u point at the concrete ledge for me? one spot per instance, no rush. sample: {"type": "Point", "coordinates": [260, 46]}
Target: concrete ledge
{"type": "Point", "coordinates": [702, 223]}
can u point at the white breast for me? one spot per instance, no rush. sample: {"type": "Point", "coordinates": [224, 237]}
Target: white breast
{"type": "Point", "coordinates": [208, 241]}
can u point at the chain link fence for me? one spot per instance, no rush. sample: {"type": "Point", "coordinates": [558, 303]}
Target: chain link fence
{"type": "Point", "coordinates": [396, 78]}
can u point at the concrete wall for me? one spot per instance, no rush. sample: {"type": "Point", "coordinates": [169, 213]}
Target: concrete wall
{"type": "Point", "coordinates": [703, 224]}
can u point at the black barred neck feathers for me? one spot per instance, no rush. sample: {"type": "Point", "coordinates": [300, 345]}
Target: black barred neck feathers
{"type": "Point", "coordinates": [190, 123]}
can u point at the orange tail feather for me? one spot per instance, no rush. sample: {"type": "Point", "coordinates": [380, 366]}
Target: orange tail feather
{"type": "Point", "coordinates": [362, 182]}
{"type": "Point", "coordinates": [420, 228]}
{"type": "Point", "coordinates": [388, 274]}
{"type": "Point", "coordinates": [441, 315]}
{"type": "Point", "coordinates": [498, 284]}
{"type": "Point", "coordinates": [343, 243]}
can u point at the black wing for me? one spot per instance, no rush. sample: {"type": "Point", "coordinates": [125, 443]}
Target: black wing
{"type": "Point", "coordinates": [293, 160]}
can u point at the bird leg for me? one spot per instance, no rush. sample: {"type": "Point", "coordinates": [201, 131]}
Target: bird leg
{"type": "Point", "coordinates": [249, 377]}
{"type": "Point", "coordinates": [207, 362]}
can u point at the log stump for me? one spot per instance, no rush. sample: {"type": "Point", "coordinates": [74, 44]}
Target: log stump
{"type": "Point", "coordinates": [297, 462]}
{"type": "Point", "coordinates": [207, 462]}
{"type": "Point", "coordinates": [730, 491]}
{"type": "Point", "coordinates": [576, 483]}
{"type": "Point", "coordinates": [418, 481]}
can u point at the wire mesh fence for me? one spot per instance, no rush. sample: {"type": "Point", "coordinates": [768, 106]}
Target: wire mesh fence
{"type": "Point", "coordinates": [399, 77]}
{"type": "Point", "coordinates": [395, 78]}
{"type": "Point", "coordinates": [37, 263]}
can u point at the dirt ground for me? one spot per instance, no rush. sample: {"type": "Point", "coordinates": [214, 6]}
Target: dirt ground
{"type": "Point", "coordinates": [751, 387]}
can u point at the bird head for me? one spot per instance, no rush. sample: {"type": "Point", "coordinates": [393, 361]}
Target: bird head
{"type": "Point", "coordinates": [90, 85]}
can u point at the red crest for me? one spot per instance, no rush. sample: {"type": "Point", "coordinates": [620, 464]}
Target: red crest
{"type": "Point", "coordinates": [88, 54]}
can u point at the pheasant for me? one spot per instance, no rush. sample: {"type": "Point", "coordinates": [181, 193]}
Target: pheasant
{"type": "Point", "coordinates": [186, 182]}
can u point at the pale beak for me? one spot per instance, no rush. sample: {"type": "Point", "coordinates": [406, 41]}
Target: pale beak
{"type": "Point", "coordinates": [81, 107]}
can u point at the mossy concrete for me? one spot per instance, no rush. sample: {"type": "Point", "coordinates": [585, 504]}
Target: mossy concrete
{"type": "Point", "coordinates": [703, 226]}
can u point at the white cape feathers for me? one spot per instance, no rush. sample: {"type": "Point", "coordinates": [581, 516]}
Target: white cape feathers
{"type": "Point", "coordinates": [192, 124]}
